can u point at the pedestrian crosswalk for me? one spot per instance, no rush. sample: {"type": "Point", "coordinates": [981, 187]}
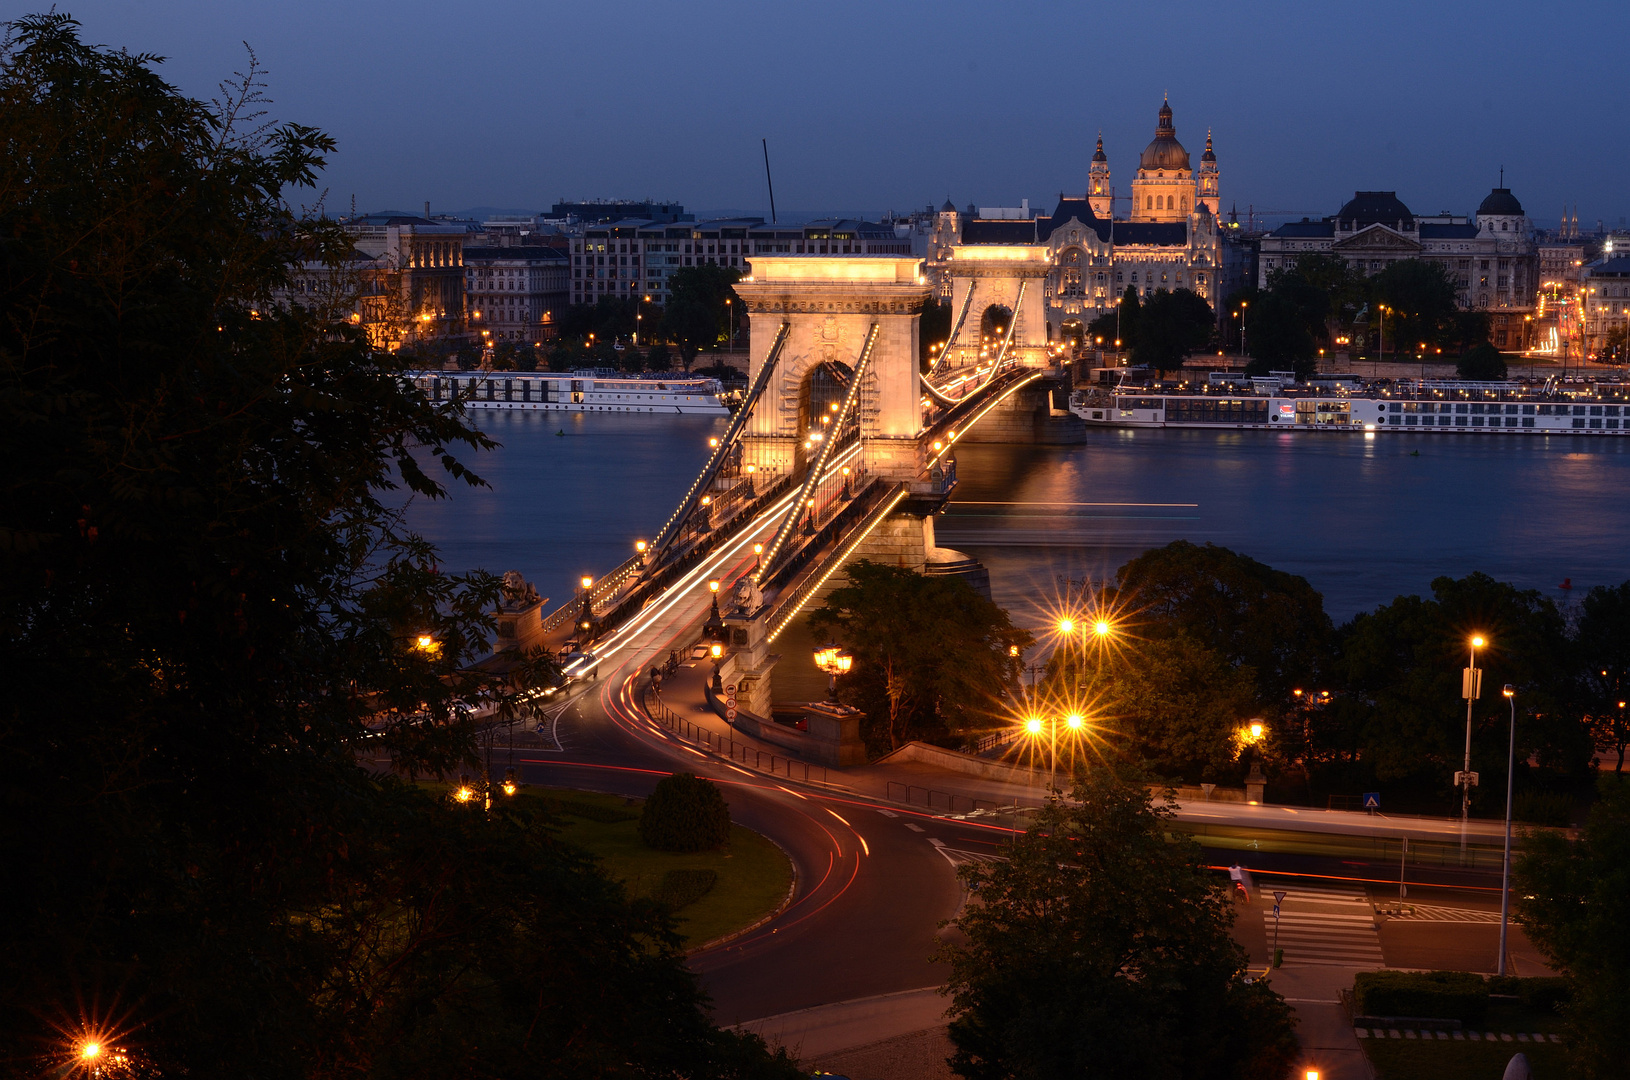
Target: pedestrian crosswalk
{"type": "Point", "coordinates": [1447, 915]}
{"type": "Point", "coordinates": [1323, 925]}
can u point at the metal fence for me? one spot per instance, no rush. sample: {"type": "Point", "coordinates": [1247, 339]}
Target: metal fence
{"type": "Point", "coordinates": [751, 757]}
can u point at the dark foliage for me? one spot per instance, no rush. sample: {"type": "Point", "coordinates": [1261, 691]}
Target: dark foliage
{"type": "Point", "coordinates": [685, 813]}
{"type": "Point", "coordinates": [1573, 897]}
{"type": "Point", "coordinates": [1171, 326]}
{"type": "Point", "coordinates": [1101, 948]}
{"type": "Point", "coordinates": [208, 608]}
{"type": "Point", "coordinates": [1483, 363]}
{"type": "Point", "coordinates": [932, 656]}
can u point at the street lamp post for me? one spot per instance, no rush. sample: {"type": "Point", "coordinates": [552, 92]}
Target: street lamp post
{"type": "Point", "coordinates": [833, 660]}
{"type": "Point", "coordinates": [1471, 687]}
{"type": "Point", "coordinates": [1243, 304]}
{"type": "Point", "coordinates": [1505, 871]}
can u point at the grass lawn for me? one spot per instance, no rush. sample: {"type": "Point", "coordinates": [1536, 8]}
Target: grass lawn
{"type": "Point", "coordinates": [1414, 1059]}
{"type": "Point", "coordinates": [753, 874]}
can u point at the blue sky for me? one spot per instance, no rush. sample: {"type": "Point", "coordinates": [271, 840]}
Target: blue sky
{"type": "Point", "coordinates": [894, 105]}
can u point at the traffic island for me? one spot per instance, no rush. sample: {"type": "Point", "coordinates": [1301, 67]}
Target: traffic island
{"type": "Point", "coordinates": [751, 877]}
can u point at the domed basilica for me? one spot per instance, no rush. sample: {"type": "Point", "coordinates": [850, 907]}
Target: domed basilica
{"type": "Point", "coordinates": [1168, 238]}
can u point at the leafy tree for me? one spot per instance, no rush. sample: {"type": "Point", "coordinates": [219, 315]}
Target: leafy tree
{"type": "Point", "coordinates": [659, 358]}
{"type": "Point", "coordinates": [1277, 336]}
{"type": "Point", "coordinates": [697, 316]}
{"type": "Point", "coordinates": [207, 610]}
{"type": "Point", "coordinates": [1421, 298]}
{"type": "Point", "coordinates": [1483, 363]}
{"type": "Point", "coordinates": [1173, 325]}
{"type": "Point", "coordinates": [1573, 899]}
{"type": "Point", "coordinates": [685, 813]}
{"type": "Point", "coordinates": [1401, 663]}
{"type": "Point", "coordinates": [932, 656]}
{"type": "Point", "coordinates": [1099, 948]}
{"type": "Point", "coordinates": [1250, 614]}
{"type": "Point", "coordinates": [1180, 705]}
{"type": "Point", "coordinates": [1468, 328]}
{"type": "Point", "coordinates": [1131, 309]}
{"type": "Point", "coordinates": [1603, 644]}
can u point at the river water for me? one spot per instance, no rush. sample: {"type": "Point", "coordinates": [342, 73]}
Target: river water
{"type": "Point", "coordinates": [1364, 519]}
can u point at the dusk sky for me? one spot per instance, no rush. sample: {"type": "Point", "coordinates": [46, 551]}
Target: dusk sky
{"type": "Point", "coordinates": [876, 106]}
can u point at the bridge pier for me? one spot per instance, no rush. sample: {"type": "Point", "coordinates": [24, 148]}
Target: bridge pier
{"type": "Point", "coordinates": [1037, 414]}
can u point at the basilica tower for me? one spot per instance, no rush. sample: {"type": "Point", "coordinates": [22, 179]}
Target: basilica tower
{"type": "Point", "coordinates": [1098, 189]}
{"type": "Point", "coordinates": [1164, 187]}
{"type": "Point", "coordinates": [1207, 192]}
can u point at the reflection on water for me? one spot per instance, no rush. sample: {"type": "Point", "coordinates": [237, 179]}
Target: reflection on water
{"type": "Point", "coordinates": [570, 493]}
{"type": "Point", "coordinates": [1363, 519]}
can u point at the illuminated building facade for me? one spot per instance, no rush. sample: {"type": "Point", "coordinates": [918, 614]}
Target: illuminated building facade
{"type": "Point", "coordinates": [515, 293]}
{"type": "Point", "coordinates": [1168, 240]}
{"type": "Point", "coordinates": [1491, 257]}
{"type": "Point", "coordinates": [423, 261]}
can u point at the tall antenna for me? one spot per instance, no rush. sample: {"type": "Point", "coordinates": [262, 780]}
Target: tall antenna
{"type": "Point", "coordinates": [767, 181]}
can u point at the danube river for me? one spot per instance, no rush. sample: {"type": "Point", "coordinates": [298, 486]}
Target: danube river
{"type": "Point", "coordinates": [1363, 519]}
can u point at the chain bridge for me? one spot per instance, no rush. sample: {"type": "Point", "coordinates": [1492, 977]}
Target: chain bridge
{"type": "Point", "coordinates": [842, 448]}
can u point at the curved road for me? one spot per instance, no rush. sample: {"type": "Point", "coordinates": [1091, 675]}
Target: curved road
{"type": "Point", "coordinates": [872, 885]}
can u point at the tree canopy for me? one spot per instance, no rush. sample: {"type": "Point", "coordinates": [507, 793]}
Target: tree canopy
{"type": "Point", "coordinates": [1483, 363]}
{"type": "Point", "coordinates": [697, 316]}
{"type": "Point", "coordinates": [1573, 899]}
{"type": "Point", "coordinates": [1170, 327]}
{"type": "Point", "coordinates": [1099, 947]}
{"type": "Point", "coordinates": [932, 656]}
{"type": "Point", "coordinates": [209, 608]}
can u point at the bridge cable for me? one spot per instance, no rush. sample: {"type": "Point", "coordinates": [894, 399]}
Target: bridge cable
{"type": "Point", "coordinates": [715, 462]}
{"type": "Point", "coordinates": [828, 444]}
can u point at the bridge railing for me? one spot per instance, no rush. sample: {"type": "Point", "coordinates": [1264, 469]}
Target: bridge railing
{"type": "Point", "coordinates": [752, 757]}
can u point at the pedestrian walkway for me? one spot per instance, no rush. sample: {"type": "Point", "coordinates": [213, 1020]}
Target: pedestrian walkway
{"type": "Point", "coordinates": [1323, 925]}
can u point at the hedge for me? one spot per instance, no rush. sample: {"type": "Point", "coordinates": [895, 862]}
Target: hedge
{"type": "Point", "coordinates": [1542, 994]}
{"type": "Point", "coordinates": [1447, 995]}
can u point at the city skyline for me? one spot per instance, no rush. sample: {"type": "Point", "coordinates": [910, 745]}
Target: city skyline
{"type": "Point", "coordinates": [515, 106]}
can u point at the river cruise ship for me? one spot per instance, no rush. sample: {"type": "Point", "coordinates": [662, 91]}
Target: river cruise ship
{"type": "Point", "coordinates": [1425, 407]}
{"type": "Point", "coordinates": [577, 391]}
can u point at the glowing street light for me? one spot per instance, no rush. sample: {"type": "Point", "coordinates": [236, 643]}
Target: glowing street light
{"type": "Point", "coordinates": [1075, 721]}
{"type": "Point", "coordinates": [1471, 688]}
{"type": "Point", "coordinates": [833, 660]}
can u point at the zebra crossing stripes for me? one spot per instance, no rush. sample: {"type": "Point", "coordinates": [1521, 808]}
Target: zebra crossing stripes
{"type": "Point", "coordinates": [1448, 915]}
{"type": "Point", "coordinates": [1323, 924]}
{"type": "Point", "coordinates": [1316, 937]}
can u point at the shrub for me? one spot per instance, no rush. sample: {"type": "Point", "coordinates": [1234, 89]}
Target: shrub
{"type": "Point", "coordinates": [685, 813]}
{"type": "Point", "coordinates": [1482, 363]}
{"type": "Point", "coordinates": [682, 888]}
{"type": "Point", "coordinates": [1541, 994]}
{"type": "Point", "coordinates": [1543, 808]}
{"type": "Point", "coordinates": [1452, 995]}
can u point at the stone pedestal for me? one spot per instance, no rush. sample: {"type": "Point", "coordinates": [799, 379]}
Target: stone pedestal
{"type": "Point", "coordinates": [749, 662]}
{"type": "Point", "coordinates": [834, 733]}
{"type": "Point", "coordinates": [1255, 782]}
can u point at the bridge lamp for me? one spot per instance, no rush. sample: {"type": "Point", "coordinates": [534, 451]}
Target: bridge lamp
{"type": "Point", "coordinates": [833, 660]}
{"type": "Point", "coordinates": [938, 445]}
{"type": "Point", "coordinates": [707, 500]}
{"type": "Point", "coordinates": [587, 582]}
{"type": "Point", "coordinates": [640, 546]}
{"type": "Point", "coordinates": [713, 441]}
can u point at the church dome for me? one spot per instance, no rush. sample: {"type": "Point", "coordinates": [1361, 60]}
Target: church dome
{"type": "Point", "coordinates": [1210, 156]}
{"type": "Point", "coordinates": [1098, 154]}
{"type": "Point", "coordinates": [1500, 202]}
{"type": "Point", "coordinates": [948, 208]}
{"type": "Point", "coordinates": [1165, 153]}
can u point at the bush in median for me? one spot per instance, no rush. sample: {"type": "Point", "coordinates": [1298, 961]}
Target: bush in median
{"type": "Point", "coordinates": [1446, 995]}
{"type": "Point", "coordinates": [685, 813]}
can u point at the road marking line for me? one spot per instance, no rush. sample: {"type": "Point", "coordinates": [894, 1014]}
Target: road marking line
{"type": "Point", "coordinates": [888, 813]}
{"type": "Point", "coordinates": [915, 828]}
{"type": "Point", "coordinates": [936, 841]}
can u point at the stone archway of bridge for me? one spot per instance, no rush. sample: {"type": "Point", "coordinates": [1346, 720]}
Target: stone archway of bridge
{"type": "Point", "coordinates": [830, 305]}
{"type": "Point", "coordinates": [995, 274]}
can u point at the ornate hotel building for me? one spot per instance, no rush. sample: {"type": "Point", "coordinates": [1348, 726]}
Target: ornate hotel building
{"type": "Point", "coordinates": [1169, 239]}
